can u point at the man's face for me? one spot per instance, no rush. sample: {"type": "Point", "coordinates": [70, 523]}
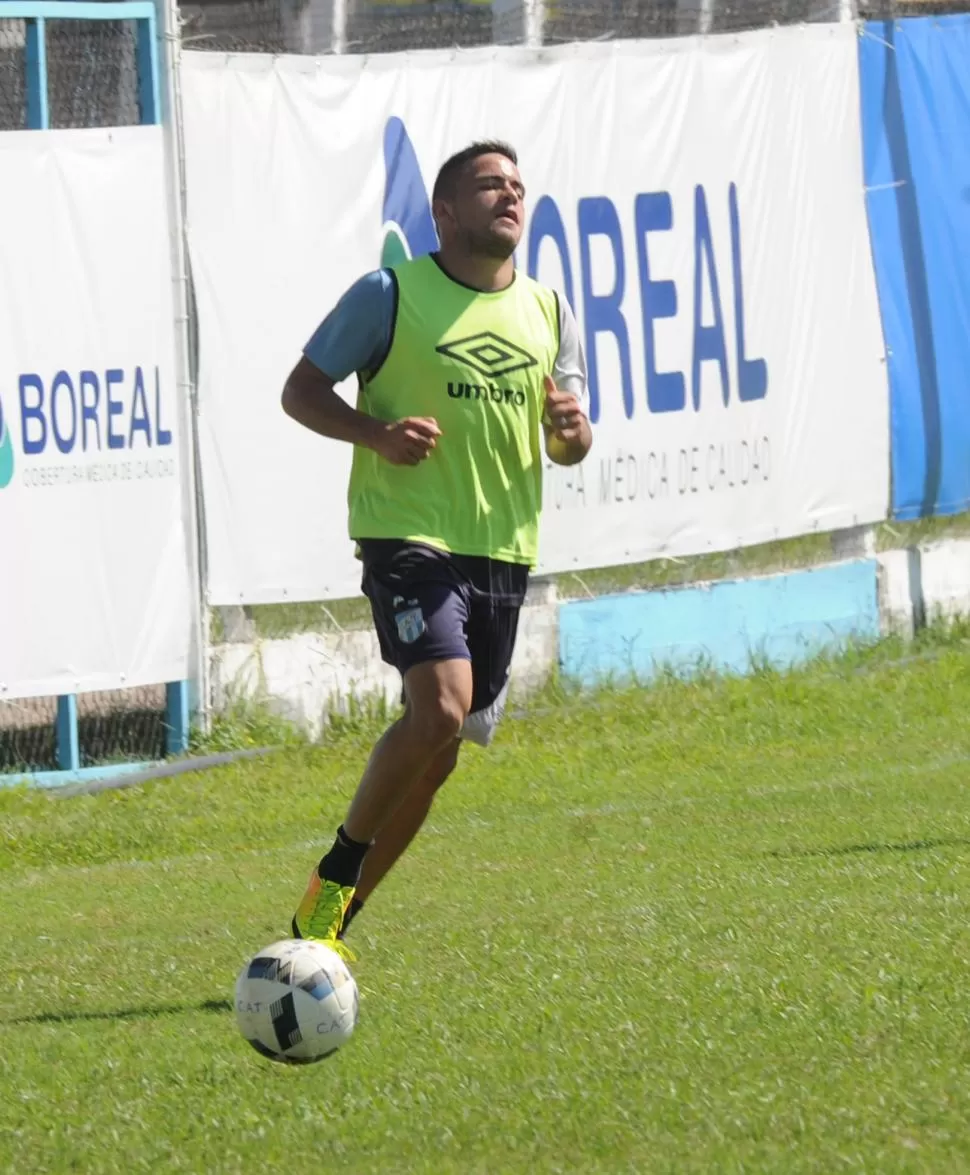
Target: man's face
{"type": "Point", "coordinates": [487, 209]}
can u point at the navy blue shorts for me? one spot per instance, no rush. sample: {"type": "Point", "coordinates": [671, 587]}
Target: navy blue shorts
{"type": "Point", "coordinates": [429, 605]}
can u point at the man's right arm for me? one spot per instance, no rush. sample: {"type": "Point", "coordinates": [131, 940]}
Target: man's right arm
{"type": "Point", "coordinates": [309, 398]}
{"type": "Point", "coordinates": [354, 337]}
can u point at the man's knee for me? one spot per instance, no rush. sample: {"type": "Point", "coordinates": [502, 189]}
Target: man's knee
{"type": "Point", "coordinates": [438, 700]}
{"type": "Point", "coordinates": [437, 724]}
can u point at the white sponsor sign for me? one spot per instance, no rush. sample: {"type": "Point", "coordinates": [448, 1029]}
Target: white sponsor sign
{"type": "Point", "coordinates": [96, 591]}
{"type": "Point", "coordinates": [699, 202]}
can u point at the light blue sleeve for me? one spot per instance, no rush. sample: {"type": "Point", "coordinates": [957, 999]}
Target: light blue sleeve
{"type": "Point", "coordinates": [356, 334]}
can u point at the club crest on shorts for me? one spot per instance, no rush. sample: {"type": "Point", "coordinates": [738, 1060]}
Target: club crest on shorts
{"type": "Point", "coordinates": [410, 623]}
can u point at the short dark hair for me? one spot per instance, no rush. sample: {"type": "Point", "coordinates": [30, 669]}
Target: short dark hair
{"type": "Point", "coordinates": [451, 169]}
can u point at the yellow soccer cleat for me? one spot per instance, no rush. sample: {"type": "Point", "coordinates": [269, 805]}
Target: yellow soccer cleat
{"type": "Point", "coordinates": [320, 914]}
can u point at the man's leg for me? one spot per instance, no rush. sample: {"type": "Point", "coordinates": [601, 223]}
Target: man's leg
{"type": "Point", "coordinates": [439, 695]}
{"type": "Point", "coordinates": [491, 640]}
{"type": "Point", "coordinates": [404, 825]}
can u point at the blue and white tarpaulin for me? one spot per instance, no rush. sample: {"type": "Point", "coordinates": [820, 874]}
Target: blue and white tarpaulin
{"type": "Point", "coordinates": [916, 132]}
{"type": "Point", "coordinates": [699, 202]}
{"type": "Point", "coordinates": [97, 589]}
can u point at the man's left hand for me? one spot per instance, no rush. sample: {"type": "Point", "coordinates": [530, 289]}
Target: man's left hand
{"type": "Point", "coordinates": [568, 425]}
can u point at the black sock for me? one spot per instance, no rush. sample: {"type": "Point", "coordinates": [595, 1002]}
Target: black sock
{"type": "Point", "coordinates": [342, 864]}
{"type": "Point", "coordinates": [355, 907]}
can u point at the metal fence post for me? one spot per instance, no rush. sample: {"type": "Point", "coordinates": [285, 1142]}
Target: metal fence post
{"type": "Point", "coordinates": [38, 112]}
{"type": "Point", "coordinates": [518, 22]}
{"type": "Point", "coordinates": [68, 744]}
{"type": "Point", "coordinates": [314, 26]}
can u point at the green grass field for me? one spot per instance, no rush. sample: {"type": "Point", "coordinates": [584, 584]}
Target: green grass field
{"type": "Point", "coordinates": [720, 926]}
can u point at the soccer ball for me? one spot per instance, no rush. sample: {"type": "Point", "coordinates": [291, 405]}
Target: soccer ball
{"type": "Point", "coordinates": [296, 1001]}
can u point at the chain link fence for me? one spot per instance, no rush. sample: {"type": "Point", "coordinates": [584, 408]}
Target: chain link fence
{"type": "Point", "coordinates": [370, 26]}
{"type": "Point", "coordinates": [92, 73]}
{"type": "Point", "coordinates": [115, 726]}
{"type": "Point", "coordinates": [13, 74]}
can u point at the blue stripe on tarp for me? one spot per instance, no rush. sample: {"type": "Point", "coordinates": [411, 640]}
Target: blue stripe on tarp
{"type": "Point", "coordinates": [780, 620]}
{"type": "Point", "coordinates": [915, 89]}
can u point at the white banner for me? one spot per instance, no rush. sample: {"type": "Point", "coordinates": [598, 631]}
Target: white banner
{"type": "Point", "coordinates": [96, 591]}
{"type": "Point", "coordinates": [700, 203]}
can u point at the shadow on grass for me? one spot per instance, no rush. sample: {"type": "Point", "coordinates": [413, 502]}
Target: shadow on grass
{"type": "Point", "coordinates": [909, 846]}
{"type": "Point", "coordinates": [149, 1012]}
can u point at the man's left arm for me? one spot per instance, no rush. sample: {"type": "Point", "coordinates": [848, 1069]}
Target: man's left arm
{"type": "Point", "coordinates": [567, 428]}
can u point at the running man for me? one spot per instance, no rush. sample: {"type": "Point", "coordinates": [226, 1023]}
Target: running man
{"type": "Point", "coordinates": [465, 367]}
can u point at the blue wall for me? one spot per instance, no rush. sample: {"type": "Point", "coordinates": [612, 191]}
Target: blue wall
{"type": "Point", "coordinates": [782, 619]}
{"type": "Point", "coordinates": [915, 82]}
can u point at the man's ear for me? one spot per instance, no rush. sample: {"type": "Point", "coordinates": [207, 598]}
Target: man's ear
{"type": "Point", "coordinates": [441, 214]}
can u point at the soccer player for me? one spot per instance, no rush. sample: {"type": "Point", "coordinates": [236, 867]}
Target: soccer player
{"type": "Point", "coordinates": [467, 369]}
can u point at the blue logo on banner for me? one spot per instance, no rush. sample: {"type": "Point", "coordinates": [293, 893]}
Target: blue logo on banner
{"type": "Point", "coordinates": [409, 229]}
{"type": "Point", "coordinates": [6, 451]}
{"type": "Point", "coordinates": [77, 412]}
{"type": "Point", "coordinates": [119, 415]}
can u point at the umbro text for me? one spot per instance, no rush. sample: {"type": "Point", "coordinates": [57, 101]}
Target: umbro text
{"type": "Point", "coordinates": [463, 391]}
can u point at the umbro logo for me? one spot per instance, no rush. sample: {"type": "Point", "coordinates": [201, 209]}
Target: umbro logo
{"type": "Point", "coordinates": [488, 353]}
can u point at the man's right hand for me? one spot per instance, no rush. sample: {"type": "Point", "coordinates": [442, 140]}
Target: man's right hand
{"type": "Point", "coordinates": [408, 441]}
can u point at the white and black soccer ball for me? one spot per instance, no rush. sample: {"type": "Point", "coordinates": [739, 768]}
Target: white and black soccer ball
{"type": "Point", "coordinates": [296, 1001]}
